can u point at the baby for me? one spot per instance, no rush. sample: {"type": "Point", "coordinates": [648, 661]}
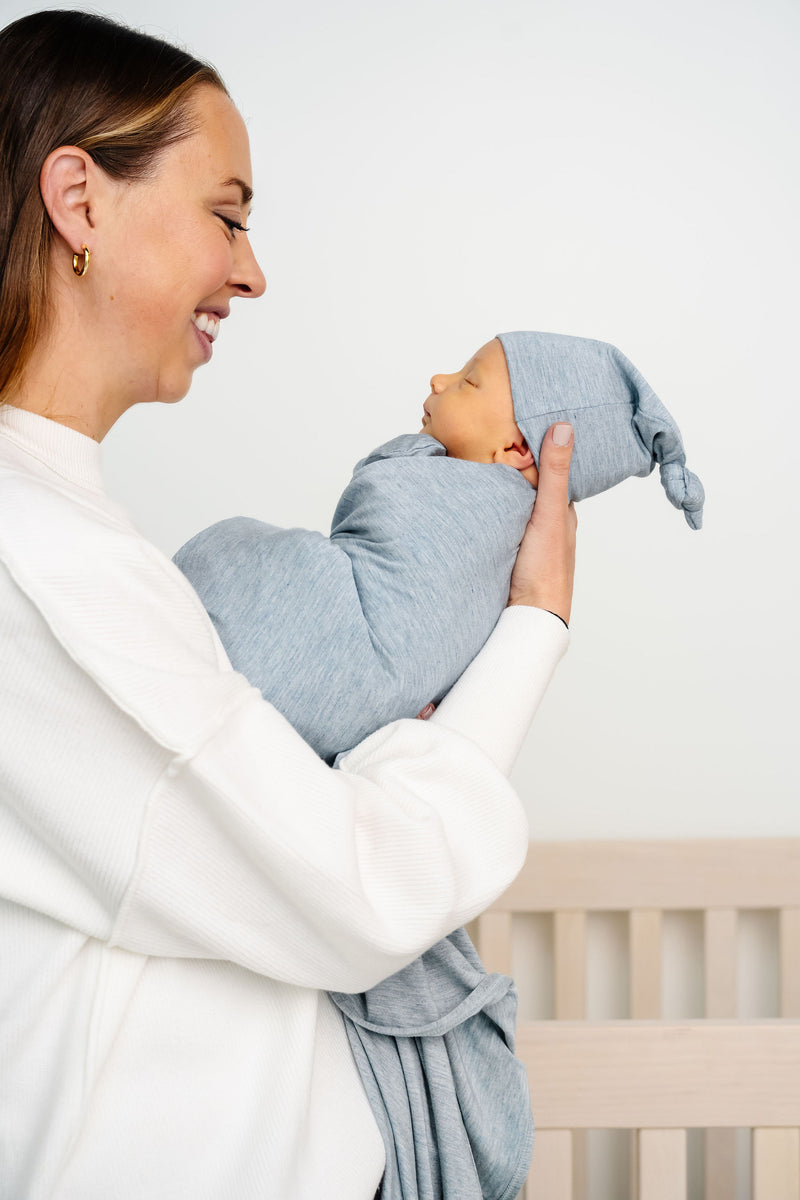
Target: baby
{"type": "Point", "coordinates": [347, 633]}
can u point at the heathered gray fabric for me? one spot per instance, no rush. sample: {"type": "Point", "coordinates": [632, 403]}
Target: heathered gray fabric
{"type": "Point", "coordinates": [621, 426]}
{"type": "Point", "coordinates": [346, 633]}
{"type": "Point", "coordinates": [453, 1026]}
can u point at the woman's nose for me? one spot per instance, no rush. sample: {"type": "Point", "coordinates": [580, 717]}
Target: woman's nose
{"type": "Point", "coordinates": [247, 277]}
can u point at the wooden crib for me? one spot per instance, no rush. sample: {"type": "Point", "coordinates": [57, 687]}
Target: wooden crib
{"type": "Point", "coordinates": [659, 1078]}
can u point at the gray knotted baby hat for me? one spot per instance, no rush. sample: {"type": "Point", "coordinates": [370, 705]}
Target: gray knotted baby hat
{"type": "Point", "coordinates": [621, 426]}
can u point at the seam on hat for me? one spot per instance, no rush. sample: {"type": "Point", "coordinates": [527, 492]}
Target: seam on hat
{"type": "Point", "coordinates": [578, 408]}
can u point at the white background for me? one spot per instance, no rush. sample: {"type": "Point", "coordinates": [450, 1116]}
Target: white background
{"type": "Point", "coordinates": [430, 173]}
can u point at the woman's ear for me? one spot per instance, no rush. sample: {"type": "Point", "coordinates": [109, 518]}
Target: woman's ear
{"type": "Point", "coordinates": [66, 182]}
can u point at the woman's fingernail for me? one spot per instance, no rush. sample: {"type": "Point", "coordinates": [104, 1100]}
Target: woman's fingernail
{"type": "Point", "coordinates": [562, 433]}
{"type": "Point", "coordinates": [427, 711]}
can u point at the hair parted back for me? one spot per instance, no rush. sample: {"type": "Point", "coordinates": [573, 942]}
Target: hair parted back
{"type": "Point", "coordinates": [74, 79]}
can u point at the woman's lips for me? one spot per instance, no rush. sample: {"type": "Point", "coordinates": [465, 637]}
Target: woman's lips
{"type": "Point", "coordinates": [205, 342]}
{"type": "Point", "coordinates": [206, 327]}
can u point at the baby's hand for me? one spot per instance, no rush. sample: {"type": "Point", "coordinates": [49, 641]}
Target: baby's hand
{"type": "Point", "coordinates": [545, 568]}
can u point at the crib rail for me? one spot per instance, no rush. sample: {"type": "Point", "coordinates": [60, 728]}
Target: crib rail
{"type": "Point", "coordinates": [654, 1077]}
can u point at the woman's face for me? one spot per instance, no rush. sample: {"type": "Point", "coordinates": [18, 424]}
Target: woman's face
{"type": "Point", "coordinates": [168, 257]}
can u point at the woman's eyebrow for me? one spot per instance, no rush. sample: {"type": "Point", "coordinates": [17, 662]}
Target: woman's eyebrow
{"type": "Point", "coordinates": [246, 190]}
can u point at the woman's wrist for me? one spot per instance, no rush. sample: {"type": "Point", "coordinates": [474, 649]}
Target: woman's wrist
{"type": "Point", "coordinates": [535, 602]}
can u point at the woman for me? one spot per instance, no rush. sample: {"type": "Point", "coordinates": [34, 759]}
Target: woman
{"type": "Point", "coordinates": [180, 876]}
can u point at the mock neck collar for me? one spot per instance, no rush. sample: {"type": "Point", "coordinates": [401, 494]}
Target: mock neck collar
{"type": "Point", "coordinates": [72, 455]}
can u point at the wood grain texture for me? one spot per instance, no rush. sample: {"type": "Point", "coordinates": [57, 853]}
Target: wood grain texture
{"type": "Point", "coordinates": [649, 1074]}
{"type": "Point", "coordinates": [776, 1164]}
{"type": "Point", "coordinates": [569, 952]}
{"type": "Point", "coordinates": [644, 934]}
{"type": "Point", "coordinates": [550, 1176]}
{"type": "Point", "coordinates": [687, 874]}
{"type": "Point", "coordinates": [720, 962]}
{"type": "Point", "coordinates": [494, 941]}
{"type": "Point", "coordinates": [662, 1164]}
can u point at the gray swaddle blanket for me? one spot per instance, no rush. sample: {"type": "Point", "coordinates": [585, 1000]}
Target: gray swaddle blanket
{"type": "Point", "coordinates": [346, 633]}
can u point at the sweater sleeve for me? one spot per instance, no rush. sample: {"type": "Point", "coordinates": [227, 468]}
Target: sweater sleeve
{"type": "Point", "coordinates": [158, 803]}
{"type": "Point", "coordinates": [257, 851]}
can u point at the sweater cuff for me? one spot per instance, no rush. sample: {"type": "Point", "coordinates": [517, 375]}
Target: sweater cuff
{"type": "Point", "coordinates": [494, 701]}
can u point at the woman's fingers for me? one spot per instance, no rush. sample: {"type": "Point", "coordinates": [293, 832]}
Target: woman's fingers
{"type": "Point", "coordinates": [545, 568]}
{"type": "Point", "coordinates": [554, 459]}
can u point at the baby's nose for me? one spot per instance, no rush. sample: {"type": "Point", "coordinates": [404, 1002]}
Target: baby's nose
{"type": "Point", "coordinates": [438, 383]}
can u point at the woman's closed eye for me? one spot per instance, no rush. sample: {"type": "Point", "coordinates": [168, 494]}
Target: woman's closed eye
{"type": "Point", "coordinates": [234, 226]}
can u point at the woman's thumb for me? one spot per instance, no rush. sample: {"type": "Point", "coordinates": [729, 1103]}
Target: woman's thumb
{"type": "Point", "coordinates": [554, 459]}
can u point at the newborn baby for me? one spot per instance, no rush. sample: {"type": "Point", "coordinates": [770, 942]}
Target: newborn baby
{"type": "Point", "coordinates": [347, 633]}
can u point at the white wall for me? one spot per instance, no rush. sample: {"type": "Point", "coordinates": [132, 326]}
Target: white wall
{"type": "Point", "coordinates": [430, 173]}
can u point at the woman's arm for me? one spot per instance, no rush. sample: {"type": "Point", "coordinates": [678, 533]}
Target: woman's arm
{"type": "Point", "coordinates": [177, 814]}
{"type": "Point", "coordinates": [358, 871]}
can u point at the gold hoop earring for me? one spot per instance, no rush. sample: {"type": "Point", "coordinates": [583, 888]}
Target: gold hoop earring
{"type": "Point", "coordinates": [80, 268]}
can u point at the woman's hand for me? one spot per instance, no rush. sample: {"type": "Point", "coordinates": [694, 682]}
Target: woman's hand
{"type": "Point", "coordinates": [545, 566]}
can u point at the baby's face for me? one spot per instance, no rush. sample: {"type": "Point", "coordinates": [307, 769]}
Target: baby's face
{"type": "Point", "coordinates": [471, 412]}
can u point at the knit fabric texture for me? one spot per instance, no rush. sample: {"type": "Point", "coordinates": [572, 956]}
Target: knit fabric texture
{"type": "Point", "coordinates": [621, 426]}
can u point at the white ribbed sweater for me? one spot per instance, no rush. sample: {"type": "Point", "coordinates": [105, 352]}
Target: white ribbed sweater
{"type": "Point", "coordinates": [180, 876]}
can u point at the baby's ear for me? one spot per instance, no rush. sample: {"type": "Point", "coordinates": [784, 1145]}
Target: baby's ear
{"type": "Point", "coordinates": [517, 454]}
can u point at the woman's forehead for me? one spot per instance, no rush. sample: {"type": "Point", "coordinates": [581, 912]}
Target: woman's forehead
{"type": "Point", "coordinates": [219, 145]}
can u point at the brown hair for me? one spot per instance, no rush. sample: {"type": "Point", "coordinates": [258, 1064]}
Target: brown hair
{"type": "Point", "coordinates": [74, 79]}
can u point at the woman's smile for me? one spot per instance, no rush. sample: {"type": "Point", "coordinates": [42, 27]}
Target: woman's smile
{"type": "Point", "coordinates": [207, 323]}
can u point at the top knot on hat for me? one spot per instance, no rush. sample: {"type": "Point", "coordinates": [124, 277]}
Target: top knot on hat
{"type": "Point", "coordinates": [621, 426]}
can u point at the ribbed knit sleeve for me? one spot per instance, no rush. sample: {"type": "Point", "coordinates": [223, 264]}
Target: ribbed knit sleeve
{"type": "Point", "coordinates": [225, 836]}
{"type": "Point", "coordinates": [496, 698]}
{"type": "Point", "coordinates": [257, 852]}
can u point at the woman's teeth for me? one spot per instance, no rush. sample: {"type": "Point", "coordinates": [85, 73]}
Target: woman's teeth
{"type": "Point", "coordinates": [207, 323]}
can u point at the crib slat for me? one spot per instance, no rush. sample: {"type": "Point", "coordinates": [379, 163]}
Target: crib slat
{"type": "Point", "coordinates": [662, 1164]}
{"type": "Point", "coordinates": [789, 925]}
{"type": "Point", "coordinates": [720, 959]}
{"type": "Point", "coordinates": [569, 942]}
{"type": "Point", "coordinates": [688, 874]}
{"type": "Point", "coordinates": [550, 1175]}
{"type": "Point", "coordinates": [720, 1164]}
{"type": "Point", "coordinates": [720, 962]}
{"type": "Point", "coordinates": [776, 1164]}
{"type": "Point", "coordinates": [644, 952]}
{"type": "Point", "coordinates": [668, 1074]}
{"type": "Point", "coordinates": [645, 963]}
{"type": "Point", "coordinates": [494, 941]}
{"type": "Point", "coordinates": [569, 937]}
